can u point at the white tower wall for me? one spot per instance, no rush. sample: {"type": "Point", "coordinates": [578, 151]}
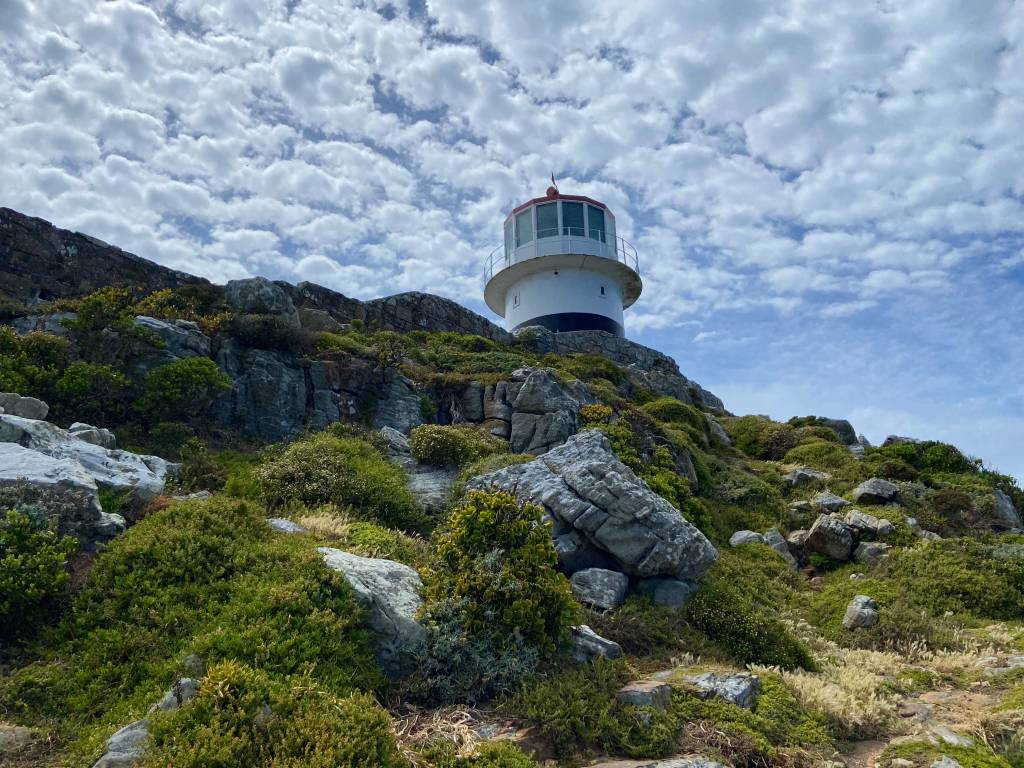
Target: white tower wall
{"type": "Point", "coordinates": [563, 292]}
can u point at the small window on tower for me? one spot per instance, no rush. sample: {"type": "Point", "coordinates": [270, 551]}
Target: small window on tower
{"type": "Point", "coordinates": [515, 300]}
{"type": "Point", "coordinates": [602, 290]}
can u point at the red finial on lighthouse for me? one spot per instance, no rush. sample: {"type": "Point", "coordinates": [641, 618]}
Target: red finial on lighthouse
{"type": "Point", "coordinates": [553, 189]}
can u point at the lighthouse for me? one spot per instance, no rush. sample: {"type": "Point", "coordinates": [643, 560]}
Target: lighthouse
{"type": "Point", "coordinates": [563, 267]}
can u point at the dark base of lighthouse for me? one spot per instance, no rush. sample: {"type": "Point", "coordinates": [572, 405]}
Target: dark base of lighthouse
{"type": "Point", "coordinates": [575, 321]}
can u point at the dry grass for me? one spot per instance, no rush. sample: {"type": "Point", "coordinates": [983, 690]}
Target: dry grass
{"type": "Point", "coordinates": [328, 522]}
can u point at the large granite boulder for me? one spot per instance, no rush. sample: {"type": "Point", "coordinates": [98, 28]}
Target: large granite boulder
{"type": "Point", "coordinates": [390, 593]}
{"type": "Point", "coordinates": [121, 471]}
{"type": "Point", "coordinates": [544, 414]}
{"type": "Point", "coordinates": [259, 296]}
{"type": "Point", "coordinates": [26, 407]}
{"type": "Point", "coordinates": [269, 395]}
{"type": "Point", "coordinates": [399, 405]}
{"type": "Point", "coordinates": [863, 523]}
{"type": "Point", "coordinates": [181, 338]}
{"type": "Point", "coordinates": [1006, 513]}
{"type": "Point", "coordinates": [585, 488]}
{"type": "Point", "coordinates": [830, 536]}
{"type": "Point", "coordinates": [599, 587]}
{"type": "Point", "coordinates": [876, 491]}
{"type": "Point", "coordinates": [62, 488]}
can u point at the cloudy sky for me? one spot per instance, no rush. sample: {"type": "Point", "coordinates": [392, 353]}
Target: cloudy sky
{"type": "Point", "coordinates": [827, 197]}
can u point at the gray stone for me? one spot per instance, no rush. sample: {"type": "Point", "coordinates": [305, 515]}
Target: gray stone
{"type": "Point", "coordinates": [399, 407]}
{"type": "Point", "coordinates": [945, 762]}
{"type": "Point", "coordinates": [875, 491]}
{"type": "Point", "coordinates": [830, 536]}
{"type": "Point", "coordinates": [587, 645]}
{"type": "Point", "coordinates": [801, 476]}
{"type": "Point", "coordinates": [774, 539]}
{"type": "Point", "coordinates": [575, 553]}
{"type": "Point", "coordinates": [717, 431]}
{"type": "Point", "coordinates": [268, 396]}
{"type": "Point", "coordinates": [126, 746]}
{"type": "Point", "coordinates": [544, 414]}
{"type": "Point", "coordinates": [829, 502]}
{"type": "Point", "coordinates": [394, 440]}
{"type": "Point", "coordinates": [1005, 511]}
{"type": "Point", "coordinates": [863, 523]}
{"type": "Point", "coordinates": [121, 471]}
{"type": "Point", "coordinates": [583, 485]}
{"type": "Point", "coordinates": [182, 691]}
{"type": "Point", "coordinates": [95, 435]}
{"type": "Point", "coordinates": [862, 612]}
{"type": "Point", "coordinates": [943, 734]}
{"type": "Point", "coordinates": [870, 552]}
{"type": "Point", "coordinates": [691, 761]}
{"type": "Point", "coordinates": [14, 738]}
{"type": "Point", "coordinates": [259, 296]}
{"type": "Point", "coordinates": [432, 486]}
{"type": "Point", "coordinates": [645, 693]}
{"type": "Point", "coordinates": [740, 688]}
{"type": "Point", "coordinates": [79, 513]}
{"type": "Point", "coordinates": [317, 320]}
{"type": "Point", "coordinates": [672, 593]}
{"type": "Point", "coordinates": [51, 322]}
{"type": "Point", "coordinates": [181, 338]}
{"type": "Point", "coordinates": [740, 538]}
{"type": "Point", "coordinates": [283, 525]}
{"type": "Point", "coordinates": [26, 407]}
{"type": "Point", "coordinates": [600, 588]}
{"type": "Point", "coordinates": [390, 592]}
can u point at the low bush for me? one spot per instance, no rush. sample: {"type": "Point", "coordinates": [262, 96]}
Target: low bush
{"type": "Point", "coordinates": [498, 555]}
{"type": "Point", "coordinates": [737, 605]}
{"type": "Point", "coordinates": [923, 753]}
{"type": "Point", "coordinates": [201, 303]}
{"type": "Point", "coordinates": [761, 438]}
{"type": "Point", "coordinates": [271, 332]}
{"type": "Point", "coordinates": [585, 366]}
{"type": "Point", "coordinates": [205, 577]}
{"type": "Point", "coordinates": [360, 537]}
{"type": "Point", "coordinates": [644, 628]}
{"type": "Point", "coordinates": [32, 568]}
{"type": "Point", "coordinates": [453, 445]}
{"type": "Point", "coordinates": [494, 754]}
{"type": "Point", "coordinates": [345, 471]}
{"type": "Point", "coordinates": [594, 414]}
{"type": "Point", "coordinates": [242, 716]}
{"type": "Point", "coordinates": [183, 387]}
{"type": "Point", "coordinates": [820, 454]}
{"type": "Point", "coordinates": [93, 393]}
{"type": "Point", "coordinates": [670, 410]}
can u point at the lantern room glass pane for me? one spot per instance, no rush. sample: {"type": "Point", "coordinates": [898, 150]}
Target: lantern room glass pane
{"type": "Point", "coordinates": [596, 223]}
{"type": "Point", "coordinates": [524, 227]}
{"type": "Point", "coordinates": [508, 238]}
{"type": "Point", "coordinates": [572, 219]}
{"type": "Point", "coordinates": [547, 220]}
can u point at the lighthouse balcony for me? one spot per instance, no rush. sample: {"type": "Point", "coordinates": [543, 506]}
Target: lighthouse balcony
{"type": "Point", "coordinates": [568, 241]}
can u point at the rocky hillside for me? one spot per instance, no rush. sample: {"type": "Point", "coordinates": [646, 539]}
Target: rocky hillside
{"type": "Point", "coordinates": [265, 524]}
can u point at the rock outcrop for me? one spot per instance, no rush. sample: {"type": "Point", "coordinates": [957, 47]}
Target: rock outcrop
{"type": "Point", "coordinates": [390, 593]}
{"type": "Point", "coordinates": [741, 688]}
{"type": "Point", "coordinates": [588, 491]}
{"type": "Point", "coordinates": [875, 490]}
{"type": "Point", "coordinates": [861, 613]}
{"type": "Point", "coordinates": [544, 414]}
{"type": "Point", "coordinates": [599, 587]}
{"type": "Point", "coordinates": [832, 537]}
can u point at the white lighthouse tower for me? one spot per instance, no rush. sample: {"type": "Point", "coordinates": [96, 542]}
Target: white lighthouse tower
{"type": "Point", "coordinates": [563, 267]}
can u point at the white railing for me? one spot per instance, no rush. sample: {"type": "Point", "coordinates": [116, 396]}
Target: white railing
{"type": "Point", "coordinates": [571, 242]}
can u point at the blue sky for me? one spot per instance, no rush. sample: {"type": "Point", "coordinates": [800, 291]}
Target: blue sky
{"type": "Point", "coordinates": [828, 198]}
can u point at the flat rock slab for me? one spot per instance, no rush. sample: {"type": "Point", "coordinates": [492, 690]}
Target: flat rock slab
{"type": "Point", "coordinates": [740, 688]}
{"type": "Point", "coordinates": [876, 491]}
{"type": "Point", "coordinates": [599, 587]}
{"type": "Point", "coordinates": [692, 761]}
{"type": "Point", "coordinates": [587, 645]}
{"type": "Point", "coordinates": [283, 525]}
{"type": "Point", "coordinates": [390, 592]}
{"type": "Point", "coordinates": [645, 693]}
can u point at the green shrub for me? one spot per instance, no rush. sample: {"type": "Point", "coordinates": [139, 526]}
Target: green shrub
{"type": "Point", "coordinates": [493, 754]}
{"type": "Point", "coordinates": [32, 568]}
{"type": "Point", "coordinates": [201, 303]}
{"type": "Point", "coordinates": [736, 608]}
{"type": "Point", "coordinates": [11, 308]}
{"type": "Point", "coordinates": [923, 754]}
{"type": "Point", "coordinates": [167, 438]}
{"type": "Point", "coordinates": [896, 469]}
{"type": "Point", "coordinates": [30, 364]}
{"type": "Point", "coordinates": [93, 393]}
{"type": "Point", "coordinates": [345, 471]}
{"type": "Point", "coordinates": [187, 386]}
{"type": "Point", "coordinates": [198, 472]}
{"type": "Point", "coordinates": [595, 414]}
{"type": "Point", "coordinates": [820, 454]}
{"type": "Point", "coordinates": [670, 410]}
{"type": "Point", "coordinates": [241, 716]}
{"type": "Point", "coordinates": [644, 628]}
{"type": "Point", "coordinates": [928, 456]}
{"type": "Point", "coordinates": [453, 445]}
{"type": "Point", "coordinates": [761, 438]}
{"type": "Point", "coordinates": [271, 332]}
{"type": "Point", "coordinates": [586, 366]}
{"type": "Point", "coordinates": [496, 557]}
{"type": "Point", "coordinates": [207, 577]}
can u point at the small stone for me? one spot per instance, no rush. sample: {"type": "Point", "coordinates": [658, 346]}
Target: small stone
{"type": "Point", "coordinates": [394, 440]}
{"type": "Point", "coordinates": [283, 525]}
{"type": "Point", "coordinates": [25, 407]}
{"type": "Point", "coordinates": [875, 491]}
{"type": "Point", "coordinates": [862, 612]}
{"type": "Point", "coordinates": [740, 538]}
{"type": "Point", "coordinates": [588, 645]}
{"type": "Point", "coordinates": [671, 593]}
{"type": "Point", "coordinates": [829, 502]}
{"type": "Point", "coordinates": [900, 762]}
{"type": "Point", "coordinates": [645, 693]}
{"type": "Point", "coordinates": [774, 539]}
{"type": "Point", "coordinates": [802, 476]}
{"type": "Point", "coordinates": [870, 552]}
{"type": "Point", "coordinates": [741, 688]}
{"type": "Point", "coordinates": [946, 762]}
{"type": "Point", "coordinates": [943, 734]}
{"type": "Point", "coordinates": [599, 587]}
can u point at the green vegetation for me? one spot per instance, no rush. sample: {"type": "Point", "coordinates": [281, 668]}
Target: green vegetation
{"type": "Point", "coordinates": [922, 754]}
{"type": "Point", "coordinates": [500, 754]}
{"type": "Point", "coordinates": [244, 716]}
{"type": "Point", "coordinates": [820, 454]}
{"type": "Point", "coordinates": [32, 572]}
{"type": "Point", "coordinates": [346, 471]}
{"type": "Point", "coordinates": [208, 578]}
{"type": "Point", "coordinates": [494, 602]}
{"type": "Point", "coordinates": [95, 393]}
{"type": "Point", "coordinates": [186, 386]}
{"type": "Point", "coordinates": [761, 438]}
{"type": "Point", "coordinates": [453, 445]}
